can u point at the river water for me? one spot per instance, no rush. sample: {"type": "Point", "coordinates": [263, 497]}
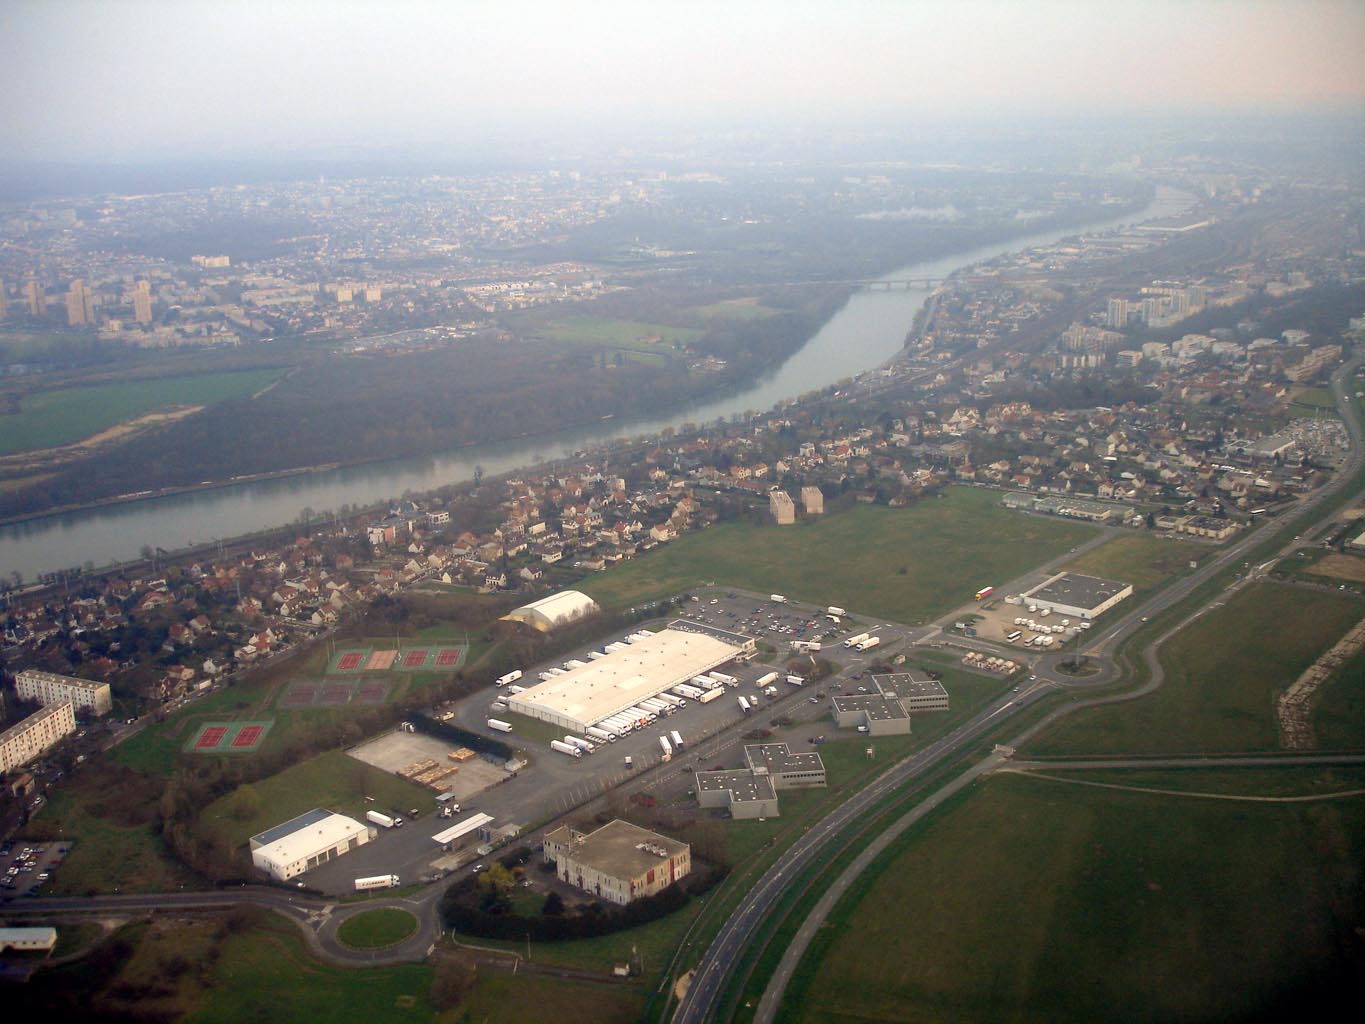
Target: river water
{"type": "Point", "coordinates": [867, 331]}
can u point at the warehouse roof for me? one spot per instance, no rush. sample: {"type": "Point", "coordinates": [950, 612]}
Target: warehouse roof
{"type": "Point", "coordinates": [305, 842]}
{"type": "Point", "coordinates": [743, 784]}
{"type": "Point", "coordinates": [876, 707]}
{"type": "Point", "coordinates": [1077, 591]}
{"type": "Point", "coordinates": [289, 827]}
{"type": "Point", "coordinates": [612, 683]}
{"type": "Point", "coordinates": [909, 685]}
{"type": "Point", "coordinates": [554, 611]}
{"type": "Point", "coordinates": [778, 757]}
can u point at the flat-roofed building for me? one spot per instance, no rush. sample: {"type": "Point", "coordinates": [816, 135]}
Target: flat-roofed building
{"type": "Point", "coordinates": [916, 691]}
{"type": "Point", "coordinates": [741, 791]}
{"type": "Point", "coordinates": [37, 733]}
{"type": "Point", "coordinates": [814, 501]}
{"type": "Point", "coordinates": [301, 843]}
{"type": "Point", "coordinates": [606, 686]}
{"type": "Point", "coordinates": [620, 862]}
{"type": "Point", "coordinates": [879, 714]}
{"type": "Point", "coordinates": [28, 939]}
{"type": "Point", "coordinates": [788, 770]}
{"type": "Point", "coordinates": [50, 688]}
{"type": "Point", "coordinates": [1081, 597]}
{"type": "Point", "coordinates": [781, 507]}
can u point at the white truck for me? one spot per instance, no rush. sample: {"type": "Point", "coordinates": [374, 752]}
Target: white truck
{"type": "Point", "coordinates": [574, 663]}
{"type": "Point", "coordinates": [689, 691]}
{"type": "Point", "coordinates": [677, 739]}
{"type": "Point", "coordinates": [499, 725]}
{"type": "Point", "coordinates": [511, 677]}
{"type": "Point", "coordinates": [723, 678]}
{"type": "Point", "coordinates": [766, 679]}
{"type": "Point", "coordinates": [796, 680]}
{"type": "Point", "coordinates": [869, 643]}
{"type": "Point", "coordinates": [855, 640]}
{"type": "Point", "coordinates": [709, 696]}
{"type": "Point", "coordinates": [598, 733]}
{"type": "Point", "coordinates": [777, 599]}
{"type": "Point", "coordinates": [835, 611]}
{"type": "Point", "coordinates": [380, 818]}
{"type": "Point", "coordinates": [581, 744]}
{"type": "Point", "coordinates": [744, 704]}
{"type": "Point", "coordinates": [666, 747]}
{"type": "Point", "coordinates": [376, 882]}
{"type": "Point", "coordinates": [612, 648]}
{"type": "Point", "coordinates": [514, 690]}
{"type": "Point", "coordinates": [806, 646]}
{"type": "Point", "coordinates": [565, 748]}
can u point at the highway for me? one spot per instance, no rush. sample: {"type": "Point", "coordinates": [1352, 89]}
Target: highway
{"type": "Point", "coordinates": [700, 1002]}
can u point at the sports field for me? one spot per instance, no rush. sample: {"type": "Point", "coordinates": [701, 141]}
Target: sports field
{"type": "Point", "coordinates": [49, 418]}
{"type": "Point", "coordinates": [228, 737]}
{"type": "Point", "coordinates": [909, 564]}
{"type": "Point", "coordinates": [331, 693]}
{"type": "Point", "coordinates": [436, 654]}
{"type": "Point", "coordinates": [1034, 900]}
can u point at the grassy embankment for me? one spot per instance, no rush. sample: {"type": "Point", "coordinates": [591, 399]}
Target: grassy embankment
{"type": "Point", "coordinates": [49, 418]}
{"type": "Point", "coordinates": [908, 565]}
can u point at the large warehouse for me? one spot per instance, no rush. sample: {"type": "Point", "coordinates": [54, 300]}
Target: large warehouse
{"type": "Point", "coordinates": [554, 611]}
{"type": "Point", "coordinates": [608, 685]}
{"type": "Point", "coordinates": [1081, 597]}
{"type": "Point", "coordinates": [301, 843]}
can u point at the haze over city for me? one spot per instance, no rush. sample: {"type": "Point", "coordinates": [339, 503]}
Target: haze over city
{"type": "Point", "coordinates": [682, 513]}
{"type": "Point", "coordinates": [90, 80]}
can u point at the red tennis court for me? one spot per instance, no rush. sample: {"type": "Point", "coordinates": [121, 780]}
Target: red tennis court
{"type": "Point", "coordinates": [247, 736]}
{"type": "Point", "coordinates": [449, 656]}
{"type": "Point", "coordinates": [210, 737]}
{"type": "Point", "coordinates": [350, 661]}
{"type": "Point", "coordinates": [414, 659]}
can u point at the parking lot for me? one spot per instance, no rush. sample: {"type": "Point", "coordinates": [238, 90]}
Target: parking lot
{"type": "Point", "coordinates": [27, 865]}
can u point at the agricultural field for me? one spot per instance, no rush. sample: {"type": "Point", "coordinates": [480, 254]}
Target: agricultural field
{"type": "Point", "coordinates": [736, 309]}
{"type": "Point", "coordinates": [908, 565]}
{"type": "Point", "coordinates": [1222, 676]}
{"type": "Point", "coordinates": [1035, 900]}
{"type": "Point", "coordinates": [1339, 712]}
{"type": "Point", "coordinates": [332, 780]}
{"type": "Point", "coordinates": [1141, 559]}
{"type": "Point", "coordinates": [50, 418]}
{"type": "Point", "coordinates": [637, 335]}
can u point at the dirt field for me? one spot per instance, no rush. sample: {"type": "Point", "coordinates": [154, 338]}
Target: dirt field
{"type": "Point", "coordinates": [1342, 567]}
{"type": "Point", "coordinates": [396, 750]}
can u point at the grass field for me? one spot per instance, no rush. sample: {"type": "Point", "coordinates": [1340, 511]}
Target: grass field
{"type": "Point", "coordinates": [1315, 398]}
{"type": "Point", "coordinates": [1339, 713]}
{"type": "Point", "coordinates": [332, 780]}
{"type": "Point", "coordinates": [51, 418]}
{"type": "Point", "coordinates": [376, 929]}
{"type": "Point", "coordinates": [1031, 900]}
{"type": "Point", "coordinates": [736, 309]}
{"type": "Point", "coordinates": [1222, 676]}
{"type": "Point", "coordinates": [637, 335]}
{"type": "Point", "coordinates": [1140, 559]}
{"type": "Point", "coordinates": [504, 999]}
{"type": "Point", "coordinates": [908, 564]}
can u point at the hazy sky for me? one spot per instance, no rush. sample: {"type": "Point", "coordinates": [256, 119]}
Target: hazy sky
{"type": "Point", "coordinates": [123, 78]}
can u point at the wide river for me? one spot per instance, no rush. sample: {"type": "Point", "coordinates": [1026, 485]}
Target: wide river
{"type": "Point", "coordinates": [867, 331]}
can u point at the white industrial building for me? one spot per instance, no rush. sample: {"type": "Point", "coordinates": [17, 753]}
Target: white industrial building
{"type": "Point", "coordinates": [606, 686]}
{"type": "Point", "coordinates": [30, 940]}
{"type": "Point", "coordinates": [50, 688]}
{"type": "Point", "coordinates": [301, 843]}
{"type": "Point", "coordinates": [554, 611]}
{"type": "Point", "coordinates": [40, 731]}
{"type": "Point", "coordinates": [1080, 597]}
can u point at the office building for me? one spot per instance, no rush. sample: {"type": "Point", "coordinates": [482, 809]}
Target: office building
{"type": "Point", "coordinates": [620, 862]}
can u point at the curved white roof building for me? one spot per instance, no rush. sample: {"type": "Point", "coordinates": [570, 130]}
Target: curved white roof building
{"type": "Point", "coordinates": [554, 611]}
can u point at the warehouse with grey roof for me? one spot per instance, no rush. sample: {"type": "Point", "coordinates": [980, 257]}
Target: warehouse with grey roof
{"type": "Point", "coordinates": [1081, 597]}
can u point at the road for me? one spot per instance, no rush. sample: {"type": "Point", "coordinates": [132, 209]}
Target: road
{"type": "Point", "coordinates": [700, 1002]}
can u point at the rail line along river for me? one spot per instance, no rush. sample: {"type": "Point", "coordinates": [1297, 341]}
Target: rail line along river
{"type": "Point", "coordinates": [867, 331]}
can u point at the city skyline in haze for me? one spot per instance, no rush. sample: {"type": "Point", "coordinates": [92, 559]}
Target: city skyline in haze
{"type": "Point", "coordinates": [145, 79]}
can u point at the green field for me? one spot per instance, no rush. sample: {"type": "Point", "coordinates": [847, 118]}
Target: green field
{"type": "Point", "coordinates": [1222, 676]}
{"type": "Point", "coordinates": [908, 564]}
{"type": "Point", "coordinates": [1032, 900]}
{"type": "Point", "coordinates": [737, 309]}
{"type": "Point", "coordinates": [577, 329]}
{"type": "Point", "coordinates": [376, 929]}
{"type": "Point", "coordinates": [1315, 398]}
{"type": "Point", "coordinates": [500, 998]}
{"type": "Point", "coordinates": [51, 418]}
{"type": "Point", "coordinates": [1140, 559]}
{"type": "Point", "coordinates": [1339, 713]}
{"type": "Point", "coordinates": [333, 780]}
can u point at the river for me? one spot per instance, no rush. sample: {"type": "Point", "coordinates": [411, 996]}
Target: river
{"type": "Point", "coordinates": [867, 331]}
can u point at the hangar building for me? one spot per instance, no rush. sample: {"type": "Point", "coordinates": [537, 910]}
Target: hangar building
{"type": "Point", "coordinates": [606, 686]}
{"type": "Point", "coordinates": [554, 611]}
{"type": "Point", "coordinates": [301, 843]}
